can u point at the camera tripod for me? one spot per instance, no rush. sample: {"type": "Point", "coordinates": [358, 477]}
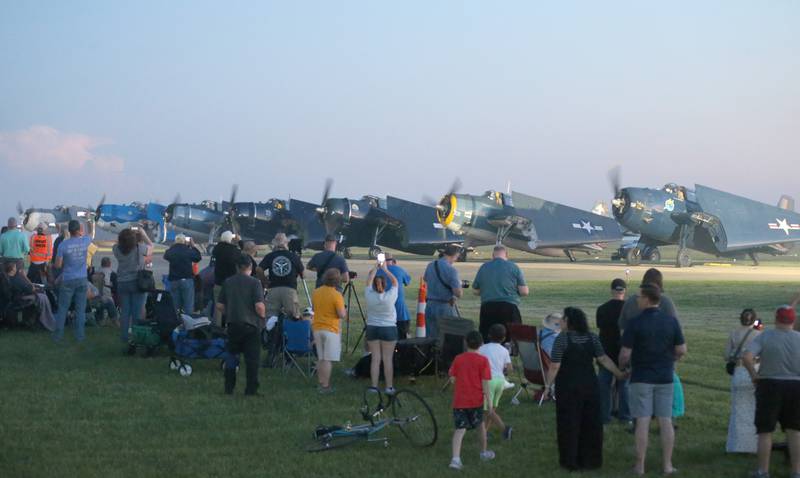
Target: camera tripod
{"type": "Point", "coordinates": [350, 293]}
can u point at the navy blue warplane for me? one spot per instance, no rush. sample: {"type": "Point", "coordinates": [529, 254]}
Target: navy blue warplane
{"type": "Point", "coordinates": [375, 222]}
{"type": "Point", "coordinates": [114, 218]}
{"type": "Point", "coordinates": [525, 223]}
{"type": "Point", "coordinates": [706, 220]}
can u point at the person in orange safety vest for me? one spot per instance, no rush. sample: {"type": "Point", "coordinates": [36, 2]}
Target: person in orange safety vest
{"type": "Point", "coordinates": [41, 252]}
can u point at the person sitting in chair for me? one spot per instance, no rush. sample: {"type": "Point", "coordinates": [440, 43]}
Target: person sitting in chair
{"type": "Point", "coordinates": [23, 289]}
{"type": "Point", "coordinates": [551, 327]}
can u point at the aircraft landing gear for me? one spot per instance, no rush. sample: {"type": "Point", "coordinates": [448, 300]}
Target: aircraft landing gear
{"type": "Point", "coordinates": [754, 257]}
{"type": "Point", "coordinates": [347, 253]}
{"type": "Point", "coordinates": [654, 256]}
{"type": "Point", "coordinates": [684, 259]}
{"type": "Point", "coordinates": [633, 256]}
{"type": "Point", "coordinates": [462, 256]}
{"type": "Point", "coordinates": [374, 251]}
{"type": "Point", "coordinates": [570, 255]}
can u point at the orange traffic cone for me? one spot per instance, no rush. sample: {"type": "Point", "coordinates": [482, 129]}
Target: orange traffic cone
{"type": "Point", "coordinates": [423, 294]}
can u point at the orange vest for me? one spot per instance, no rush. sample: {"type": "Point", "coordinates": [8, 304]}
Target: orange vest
{"type": "Point", "coordinates": [41, 248]}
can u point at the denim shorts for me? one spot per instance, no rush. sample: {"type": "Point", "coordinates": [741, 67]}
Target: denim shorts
{"type": "Point", "coordinates": [386, 334]}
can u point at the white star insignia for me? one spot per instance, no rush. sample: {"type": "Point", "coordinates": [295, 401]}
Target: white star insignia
{"type": "Point", "coordinates": [783, 225]}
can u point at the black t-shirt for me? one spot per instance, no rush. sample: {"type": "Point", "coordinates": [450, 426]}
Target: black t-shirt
{"type": "Point", "coordinates": [608, 325]}
{"type": "Point", "coordinates": [225, 258]}
{"type": "Point", "coordinates": [239, 295]}
{"type": "Point", "coordinates": [332, 259]}
{"type": "Point", "coordinates": [653, 336]}
{"type": "Point", "coordinates": [282, 267]}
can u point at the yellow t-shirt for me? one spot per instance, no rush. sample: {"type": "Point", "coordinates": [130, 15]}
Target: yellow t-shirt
{"type": "Point", "coordinates": [325, 301]}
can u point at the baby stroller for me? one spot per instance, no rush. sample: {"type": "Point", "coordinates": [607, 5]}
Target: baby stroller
{"type": "Point", "coordinates": [156, 331]}
{"type": "Point", "coordinates": [198, 339]}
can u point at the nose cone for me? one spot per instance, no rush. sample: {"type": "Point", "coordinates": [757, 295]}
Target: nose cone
{"type": "Point", "coordinates": [446, 210]}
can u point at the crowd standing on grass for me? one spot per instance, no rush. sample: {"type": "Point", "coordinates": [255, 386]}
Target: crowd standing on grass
{"type": "Point", "coordinates": [639, 343]}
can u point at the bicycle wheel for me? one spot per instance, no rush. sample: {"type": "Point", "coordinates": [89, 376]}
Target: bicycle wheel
{"type": "Point", "coordinates": [414, 418]}
{"type": "Point", "coordinates": [329, 442]}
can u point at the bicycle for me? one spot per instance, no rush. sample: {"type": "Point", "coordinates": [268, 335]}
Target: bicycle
{"type": "Point", "coordinates": [409, 412]}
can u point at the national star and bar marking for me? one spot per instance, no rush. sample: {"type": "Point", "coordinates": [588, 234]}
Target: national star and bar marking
{"type": "Point", "coordinates": [587, 226]}
{"type": "Point", "coordinates": [783, 225]}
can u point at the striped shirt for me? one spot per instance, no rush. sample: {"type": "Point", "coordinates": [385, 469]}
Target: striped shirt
{"type": "Point", "coordinates": [560, 345]}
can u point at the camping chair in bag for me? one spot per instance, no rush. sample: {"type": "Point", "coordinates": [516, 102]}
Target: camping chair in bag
{"type": "Point", "coordinates": [535, 362]}
{"type": "Point", "coordinates": [297, 344]}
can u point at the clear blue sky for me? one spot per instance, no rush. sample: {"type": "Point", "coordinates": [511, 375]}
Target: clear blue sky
{"type": "Point", "coordinates": [142, 100]}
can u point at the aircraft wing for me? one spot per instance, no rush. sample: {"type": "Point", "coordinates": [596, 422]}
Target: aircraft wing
{"type": "Point", "coordinates": [557, 225]}
{"type": "Point", "coordinates": [744, 223]}
{"type": "Point", "coordinates": [382, 216]}
{"type": "Point", "coordinates": [419, 222]}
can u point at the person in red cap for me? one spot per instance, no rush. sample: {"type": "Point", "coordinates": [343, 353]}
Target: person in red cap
{"type": "Point", "coordinates": [777, 383]}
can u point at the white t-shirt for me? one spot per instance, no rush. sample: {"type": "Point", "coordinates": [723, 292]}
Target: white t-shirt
{"type": "Point", "coordinates": [380, 307]}
{"type": "Point", "coordinates": [498, 358]}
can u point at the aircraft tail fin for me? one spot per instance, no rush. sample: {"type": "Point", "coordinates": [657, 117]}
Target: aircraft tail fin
{"type": "Point", "coordinates": [786, 203]}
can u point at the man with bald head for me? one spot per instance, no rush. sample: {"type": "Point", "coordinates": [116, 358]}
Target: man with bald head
{"type": "Point", "coordinates": [500, 283]}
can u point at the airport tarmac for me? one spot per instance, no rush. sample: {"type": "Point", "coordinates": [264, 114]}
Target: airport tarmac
{"type": "Point", "coordinates": [564, 271]}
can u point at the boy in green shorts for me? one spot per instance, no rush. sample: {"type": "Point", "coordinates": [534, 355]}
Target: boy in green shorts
{"type": "Point", "coordinates": [500, 364]}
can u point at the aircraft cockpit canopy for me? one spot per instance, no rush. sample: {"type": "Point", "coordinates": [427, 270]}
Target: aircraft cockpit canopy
{"type": "Point", "coordinates": [501, 199]}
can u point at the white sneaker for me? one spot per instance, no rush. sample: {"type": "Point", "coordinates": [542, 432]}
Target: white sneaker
{"type": "Point", "coordinates": [456, 464]}
{"type": "Point", "coordinates": [487, 455]}
{"type": "Point", "coordinates": [389, 391]}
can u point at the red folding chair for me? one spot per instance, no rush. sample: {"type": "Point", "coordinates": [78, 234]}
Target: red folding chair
{"type": "Point", "coordinates": [535, 362]}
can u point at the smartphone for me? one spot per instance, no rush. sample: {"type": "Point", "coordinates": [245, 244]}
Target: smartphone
{"type": "Point", "coordinates": [134, 228]}
{"type": "Point", "coordinates": [381, 258]}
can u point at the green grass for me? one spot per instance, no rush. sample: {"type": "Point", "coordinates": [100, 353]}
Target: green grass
{"type": "Point", "coordinates": [90, 411]}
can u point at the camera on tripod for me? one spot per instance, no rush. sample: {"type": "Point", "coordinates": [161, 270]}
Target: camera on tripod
{"type": "Point", "coordinates": [352, 274]}
{"type": "Point", "coordinates": [465, 284]}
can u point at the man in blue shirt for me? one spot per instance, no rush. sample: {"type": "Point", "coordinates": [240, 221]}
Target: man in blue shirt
{"type": "Point", "coordinates": [403, 279]}
{"type": "Point", "coordinates": [444, 287]}
{"type": "Point", "coordinates": [500, 284]}
{"type": "Point", "coordinates": [13, 245]}
{"type": "Point", "coordinates": [71, 260]}
{"type": "Point", "coordinates": [651, 344]}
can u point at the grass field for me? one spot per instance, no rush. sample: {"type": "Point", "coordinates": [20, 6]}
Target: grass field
{"type": "Point", "coordinates": [88, 410]}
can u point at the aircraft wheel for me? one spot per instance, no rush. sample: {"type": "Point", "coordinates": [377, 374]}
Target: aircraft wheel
{"type": "Point", "coordinates": [347, 253]}
{"type": "Point", "coordinates": [655, 256]}
{"type": "Point", "coordinates": [634, 256]}
{"type": "Point", "coordinates": [462, 256]}
{"type": "Point", "coordinates": [684, 260]}
{"type": "Point", "coordinates": [374, 251]}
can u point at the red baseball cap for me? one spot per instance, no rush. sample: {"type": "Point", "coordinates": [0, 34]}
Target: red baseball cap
{"type": "Point", "coordinates": [785, 315]}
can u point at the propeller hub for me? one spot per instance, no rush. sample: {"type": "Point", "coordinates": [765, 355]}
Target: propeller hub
{"type": "Point", "coordinates": [446, 209]}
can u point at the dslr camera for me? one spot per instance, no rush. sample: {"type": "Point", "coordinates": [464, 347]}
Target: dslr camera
{"type": "Point", "coordinates": [352, 274]}
{"type": "Point", "coordinates": [465, 284]}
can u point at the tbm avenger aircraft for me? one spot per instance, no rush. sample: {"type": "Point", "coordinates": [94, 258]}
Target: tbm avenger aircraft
{"type": "Point", "coordinates": [705, 220]}
{"type": "Point", "coordinates": [525, 223]}
{"type": "Point", "coordinates": [373, 222]}
{"type": "Point", "coordinates": [256, 221]}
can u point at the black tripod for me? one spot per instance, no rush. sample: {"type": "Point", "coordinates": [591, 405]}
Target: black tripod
{"type": "Point", "coordinates": [349, 293]}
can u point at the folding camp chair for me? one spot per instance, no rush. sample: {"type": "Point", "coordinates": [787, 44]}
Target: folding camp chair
{"type": "Point", "coordinates": [535, 362]}
{"type": "Point", "coordinates": [297, 344]}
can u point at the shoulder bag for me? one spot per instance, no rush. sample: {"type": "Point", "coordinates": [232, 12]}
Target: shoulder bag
{"type": "Point", "coordinates": [730, 366]}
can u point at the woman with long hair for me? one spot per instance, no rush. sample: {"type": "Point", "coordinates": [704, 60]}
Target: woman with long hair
{"type": "Point", "coordinates": [132, 251]}
{"type": "Point", "coordinates": [579, 425]}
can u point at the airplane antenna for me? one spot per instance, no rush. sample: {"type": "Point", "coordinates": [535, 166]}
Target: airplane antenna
{"type": "Point", "coordinates": [508, 187]}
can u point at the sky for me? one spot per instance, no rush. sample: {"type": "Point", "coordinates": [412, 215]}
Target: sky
{"type": "Point", "coordinates": [145, 100]}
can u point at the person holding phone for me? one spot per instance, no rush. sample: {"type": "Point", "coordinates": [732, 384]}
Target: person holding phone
{"type": "Point", "coordinates": [381, 323]}
{"type": "Point", "coordinates": [403, 280]}
{"type": "Point", "coordinates": [132, 250]}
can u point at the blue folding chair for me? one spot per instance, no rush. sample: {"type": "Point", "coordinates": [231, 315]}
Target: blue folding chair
{"type": "Point", "coordinates": [298, 346]}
